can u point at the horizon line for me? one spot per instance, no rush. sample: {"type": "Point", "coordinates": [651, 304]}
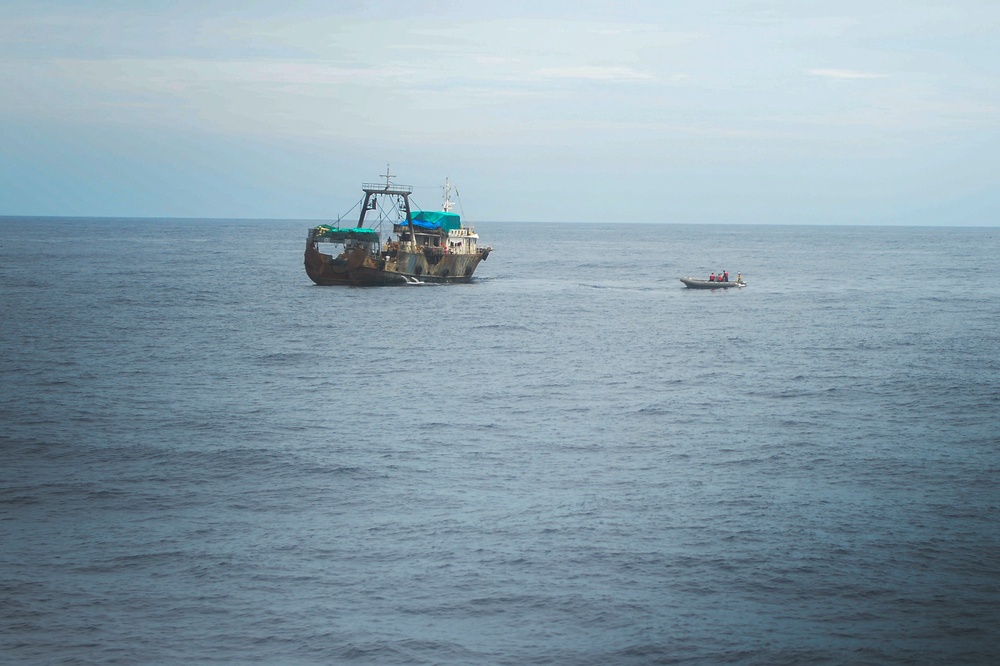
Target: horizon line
{"type": "Point", "coordinates": [678, 223]}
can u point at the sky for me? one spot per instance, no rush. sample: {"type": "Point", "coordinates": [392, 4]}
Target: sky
{"type": "Point", "coordinates": [879, 112]}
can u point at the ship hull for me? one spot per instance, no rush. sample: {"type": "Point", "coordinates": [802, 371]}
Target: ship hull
{"type": "Point", "coordinates": [359, 269]}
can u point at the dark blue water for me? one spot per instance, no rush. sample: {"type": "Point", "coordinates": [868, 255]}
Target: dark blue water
{"type": "Point", "coordinates": [574, 460]}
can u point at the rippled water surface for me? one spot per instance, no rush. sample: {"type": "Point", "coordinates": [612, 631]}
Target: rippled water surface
{"type": "Point", "coordinates": [204, 458]}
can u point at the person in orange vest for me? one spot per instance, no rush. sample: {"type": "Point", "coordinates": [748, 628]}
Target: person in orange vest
{"type": "Point", "coordinates": [711, 278]}
{"type": "Point", "coordinates": [725, 276]}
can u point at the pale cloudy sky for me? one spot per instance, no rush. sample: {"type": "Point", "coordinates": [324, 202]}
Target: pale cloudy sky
{"type": "Point", "coordinates": [730, 111]}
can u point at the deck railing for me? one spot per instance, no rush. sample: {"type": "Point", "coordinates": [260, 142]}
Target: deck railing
{"type": "Point", "coordinates": [382, 188]}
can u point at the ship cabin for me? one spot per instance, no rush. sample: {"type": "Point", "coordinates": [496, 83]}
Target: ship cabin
{"type": "Point", "coordinates": [438, 229]}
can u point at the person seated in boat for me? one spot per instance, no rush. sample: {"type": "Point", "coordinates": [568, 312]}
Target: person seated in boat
{"type": "Point", "coordinates": [711, 278]}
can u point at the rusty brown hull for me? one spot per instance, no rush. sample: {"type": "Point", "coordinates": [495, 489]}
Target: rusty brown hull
{"type": "Point", "coordinates": [325, 270]}
{"type": "Point", "coordinates": [359, 269]}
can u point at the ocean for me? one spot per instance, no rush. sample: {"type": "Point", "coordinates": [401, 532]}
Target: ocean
{"type": "Point", "coordinates": [205, 458]}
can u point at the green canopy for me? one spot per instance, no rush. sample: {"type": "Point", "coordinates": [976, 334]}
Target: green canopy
{"type": "Point", "coordinates": [330, 234]}
{"type": "Point", "coordinates": [437, 219]}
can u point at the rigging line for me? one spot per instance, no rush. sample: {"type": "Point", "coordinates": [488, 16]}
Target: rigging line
{"type": "Point", "coordinates": [383, 215]}
{"type": "Point", "coordinates": [339, 217]}
{"type": "Point", "coordinates": [460, 209]}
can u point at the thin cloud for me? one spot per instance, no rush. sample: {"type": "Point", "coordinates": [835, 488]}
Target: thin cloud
{"type": "Point", "coordinates": [593, 73]}
{"type": "Point", "coordinates": [846, 74]}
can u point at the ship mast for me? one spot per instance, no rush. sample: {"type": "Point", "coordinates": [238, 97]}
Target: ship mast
{"type": "Point", "coordinates": [447, 205]}
{"type": "Point", "coordinates": [387, 176]}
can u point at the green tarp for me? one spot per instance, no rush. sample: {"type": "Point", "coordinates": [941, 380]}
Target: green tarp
{"type": "Point", "coordinates": [437, 219]}
{"type": "Point", "coordinates": [339, 235]}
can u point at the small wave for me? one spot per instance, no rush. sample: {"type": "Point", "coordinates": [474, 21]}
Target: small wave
{"type": "Point", "coordinates": [500, 327]}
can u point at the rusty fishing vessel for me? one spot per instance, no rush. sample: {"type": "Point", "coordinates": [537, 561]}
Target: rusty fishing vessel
{"type": "Point", "coordinates": [429, 246]}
